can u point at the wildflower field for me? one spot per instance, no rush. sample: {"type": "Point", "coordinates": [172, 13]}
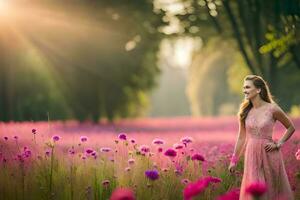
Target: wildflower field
{"type": "Point", "coordinates": [178, 158]}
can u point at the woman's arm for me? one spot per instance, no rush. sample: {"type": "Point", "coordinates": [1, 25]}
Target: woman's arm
{"type": "Point", "coordinates": [280, 115]}
{"type": "Point", "coordinates": [239, 142]}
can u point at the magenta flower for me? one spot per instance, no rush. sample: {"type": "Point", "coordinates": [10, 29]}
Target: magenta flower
{"type": "Point", "coordinates": [131, 161]}
{"type": "Point", "coordinates": [256, 189]}
{"type": "Point", "coordinates": [211, 179]}
{"type": "Point", "coordinates": [198, 157]}
{"type": "Point", "coordinates": [105, 149]}
{"type": "Point", "coordinates": [178, 146]}
{"type": "Point", "coordinates": [55, 138]}
{"type": "Point", "coordinates": [94, 154]}
{"type": "Point", "coordinates": [185, 181]}
{"type": "Point", "coordinates": [186, 140]}
{"type": "Point", "coordinates": [122, 136]}
{"type": "Point", "coordinates": [89, 151]}
{"type": "Point", "coordinates": [195, 188]}
{"type": "Point", "coordinates": [152, 174]}
{"type": "Point", "coordinates": [144, 148]}
{"type": "Point", "coordinates": [132, 141]}
{"type": "Point", "coordinates": [158, 141]}
{"type": "Point", "coordinates": [160, 149]}
{"type": "Point", "coordinates": [170, 152]}
{"type": "Point", "coordinates": [233, 194]}
{"type": "Point", "coordinates": [27, 153]}
{"type": "Point", "coordinates": [72, 151]}
{"type": "Point", "coordinates": [83, 138]}
{"type": "Point", "coordinates": [47, 153]}
{"type": "Point", "coordinates": [16, 137]}
{"type": "Point", "coordinates": [33, 131]}
{"type": "Point", "coordinates": [5, 138]}
{"type": "Point", "coordinates": [122, 194]}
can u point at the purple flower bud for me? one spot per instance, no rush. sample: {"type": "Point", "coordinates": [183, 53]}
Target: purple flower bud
{"type": "Point", "coordinates": [178, 146]}
{"type": "Point", "coordinates": [158, 141]}
{"type": "Point", "coordinates": [105, 149]}
{"type": "Point", "coordinates": [55, 138]}
{"type": "Point", "coordinates": [105, 183]}
{"type": "Point", "coordinates": [122, 136]}
{"type": "Point", "coordinates": [152, 174]}
{"type": "Point", "coordinates": [132, 141]}
{"type": "Point", "coordinates": [47, 153]}
{"type": "Point", "coordinates": [83, 138]}
{"type": "Point", "coordinates": [131, 161]}
{"type": "Point", "coordinates": [144, 149]}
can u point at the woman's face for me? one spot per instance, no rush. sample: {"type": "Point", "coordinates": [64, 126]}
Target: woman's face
{"type": "Point", "coordinates": [250, 90]}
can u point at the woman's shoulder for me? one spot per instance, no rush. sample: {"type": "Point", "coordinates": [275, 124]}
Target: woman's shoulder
{"type": "Point", "coordinates": [275, 107]}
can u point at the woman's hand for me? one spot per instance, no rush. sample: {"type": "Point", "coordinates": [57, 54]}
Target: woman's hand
{"type": "Point", "coordinates": [232, 167]}
{"type": "Point", "coordinates": [271, 146]}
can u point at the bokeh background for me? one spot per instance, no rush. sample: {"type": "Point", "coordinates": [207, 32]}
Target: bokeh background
{"type": "Point", "coordinates": [90, 60]}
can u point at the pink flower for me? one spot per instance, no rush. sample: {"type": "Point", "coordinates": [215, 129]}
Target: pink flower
{"type": "Point", "coordinates": [105, 183]}
{"type": "Point", "coordinates": [33, 131]}
{"type": "Point", "coordinates": [47, 153]}
{"type": "Point", "coordinates": [186, 140]}
{"type": "Point", "coordinates": [256, 189]}
{"type": "Point", "coordinates": [144, 148]}
{"type": "Point", "coordinates": [159, 149]}
{"type": "Point", "coordinates": [231, 195]}
{"type": "Point", "coordinates": [165, 169]}
{"type": "Point", "coordinates": [94, 154]}
{"type": "Point", "coordinates": [122, 194]}
{"type": "Point", "coordinates": [122, 136]}
{"type": "Point", "coordinates": [211, 179]}
{"type": "Point", "coordinates": [55, 138]}
{"type": "Point", "coordinates": [83, 138]}
{"type": "Point", "coordinates": [198, 157]}
{"type": "Point", "coordinates": [72, 151]}
{"type": "Point", "coordinates": [132, 141]}
{"type": "Point", "coordinates": [89, 151]}
{"type": "Point", "coordinates": [5, 138]}
{"type": "Point", "coordinates": [158, 141]}
{"type": "Point", "coordinates": [195, 188]}
{"type": "Point", "coordinates": [131, 161]}
{"type": "Point", "coordinates": [170, 152]}
{"type": "Point", "coordinates": [178, 146]}
{"type": "Point", "coordinates": [185, 181]}
{"type": "Point", "coordinates": [127, 169]}
{"type": "Point", "coordinates": [105, 149]}
{"type": "Point", "coordinates": [16, 137]}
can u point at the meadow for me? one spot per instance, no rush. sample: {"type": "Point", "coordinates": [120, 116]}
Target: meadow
{"type": "Point", "coordinates": [177, 158]}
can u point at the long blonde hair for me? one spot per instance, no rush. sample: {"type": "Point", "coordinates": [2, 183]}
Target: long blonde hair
{"type": "Point", "coordinates": [264, 94]}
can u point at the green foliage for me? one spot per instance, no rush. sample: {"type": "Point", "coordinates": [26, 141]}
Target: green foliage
{"type": "Point", "coordinates": [94, 60]}
{"type": "Point", "coordinates": [266, 34]}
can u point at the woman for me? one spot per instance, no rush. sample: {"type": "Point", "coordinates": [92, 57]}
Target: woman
{"type": "Point", "coordinates": [263, 159]}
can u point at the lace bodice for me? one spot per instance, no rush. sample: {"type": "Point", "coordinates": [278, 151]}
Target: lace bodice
{"type": "Point", "coordinates": [260, 122]}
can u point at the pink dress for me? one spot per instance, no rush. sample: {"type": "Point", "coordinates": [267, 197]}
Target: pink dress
{"type": "Point", "coordinates": [260, 165]}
